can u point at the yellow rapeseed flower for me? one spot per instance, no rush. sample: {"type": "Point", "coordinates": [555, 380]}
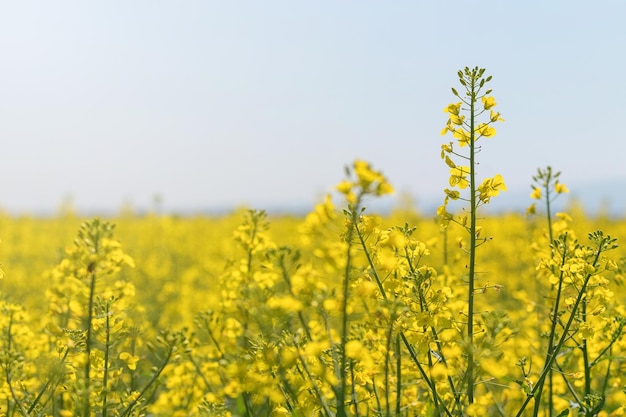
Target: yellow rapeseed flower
{"type": "Point", "coordinates": [129, 359]}
{"type": "Point", "coordinates": [491, 187]}
{"type": "Point", "coordinates": [453, 109]}
{"type": "Point", "coordinates": [495, 117]}
{"type": "Point", "coordinates": [560, 188]}
{"type": "Point", "coordinates": [384, 188]}
{"type": "Point", "coordinates": [458, 177]}
{"type": "Point", "coordinates": [485, 130]}
{"type": "Point", "coordinates": [453, 194]}
{"type": "Point", "coordinates": [365, 174]}
{"type": "Point", "coordinates": [446, 147]}
{"type": "Point", "coordinates": [354, 349]}
{"type": "Point", "coordinates": [536, 193]}
{"type": "Point", "coordinates": [344, 187]}
{"type": "Point", "coordinates": [488, 102]}
{"type": "Point", "coordinates": [457, 120]}
{"type": "Point", "coordinates": [444, 215]}
{"type": "Point", "coordinates": [463, 136]}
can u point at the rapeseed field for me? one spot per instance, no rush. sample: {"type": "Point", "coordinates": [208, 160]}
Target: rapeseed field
{"type": "Point", "coordinates": [342, 312]}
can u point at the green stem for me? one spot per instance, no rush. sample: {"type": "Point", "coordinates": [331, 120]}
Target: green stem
{"type": "Point", "coordinates": [444, 232]}
{"type": "Point", "coordinates": [398, 375]}
{"type": "Point", "coordinates": [379, 407]}
{"type": "Point", "coordinates": [472, 254]}
{"type": "Point", "coordinates": [548, 206]}
{"type": "Point", "coordinates": [341, 391]}
{"type": "Point", "coordinates": [551, 237]}
{"type": "Point", "coordinates": [107, 346]}
{"type": "Point", "coordinates": [387, 365]}
{"type": "Point", "coordinates": [92, 290]}
{"type": "Point", "coordinates": [430, 367]}
{"type": "Point", "coordinates": [547, 184]}
{"type": "Point", "coordinates": [585, 352]}
{"type": "Point", "coordinates": [355, 400]}
{"type": "Point", "coordinates": [370, 261]}
{"type": "Point", "coordinates": [550, 353]}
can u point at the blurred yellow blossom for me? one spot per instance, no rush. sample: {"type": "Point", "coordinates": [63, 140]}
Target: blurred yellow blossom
{"type": "Point", "coordinates": [560, 188]}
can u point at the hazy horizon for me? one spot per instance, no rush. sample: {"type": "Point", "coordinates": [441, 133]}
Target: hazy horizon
{"type": "Point", "coordinates": [594, 200]}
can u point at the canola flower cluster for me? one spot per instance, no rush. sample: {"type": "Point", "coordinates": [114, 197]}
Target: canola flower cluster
{"type": "Point", "coordinates": [340, 313]}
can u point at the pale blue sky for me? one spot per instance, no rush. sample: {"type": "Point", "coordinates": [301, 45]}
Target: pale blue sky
{"type": "Point", "coordinates": [220, 103]}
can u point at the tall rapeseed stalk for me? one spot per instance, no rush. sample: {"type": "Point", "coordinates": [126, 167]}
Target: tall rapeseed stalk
{"type": "Point", "coordinates": [465, 124]}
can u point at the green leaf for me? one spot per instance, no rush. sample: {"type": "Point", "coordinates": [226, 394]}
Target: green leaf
{"type": "Point", "coordinates": [564, 413]}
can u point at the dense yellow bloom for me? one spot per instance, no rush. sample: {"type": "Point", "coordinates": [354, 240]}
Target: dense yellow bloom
{"type": "Point", "coordinates": [286, 303]}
